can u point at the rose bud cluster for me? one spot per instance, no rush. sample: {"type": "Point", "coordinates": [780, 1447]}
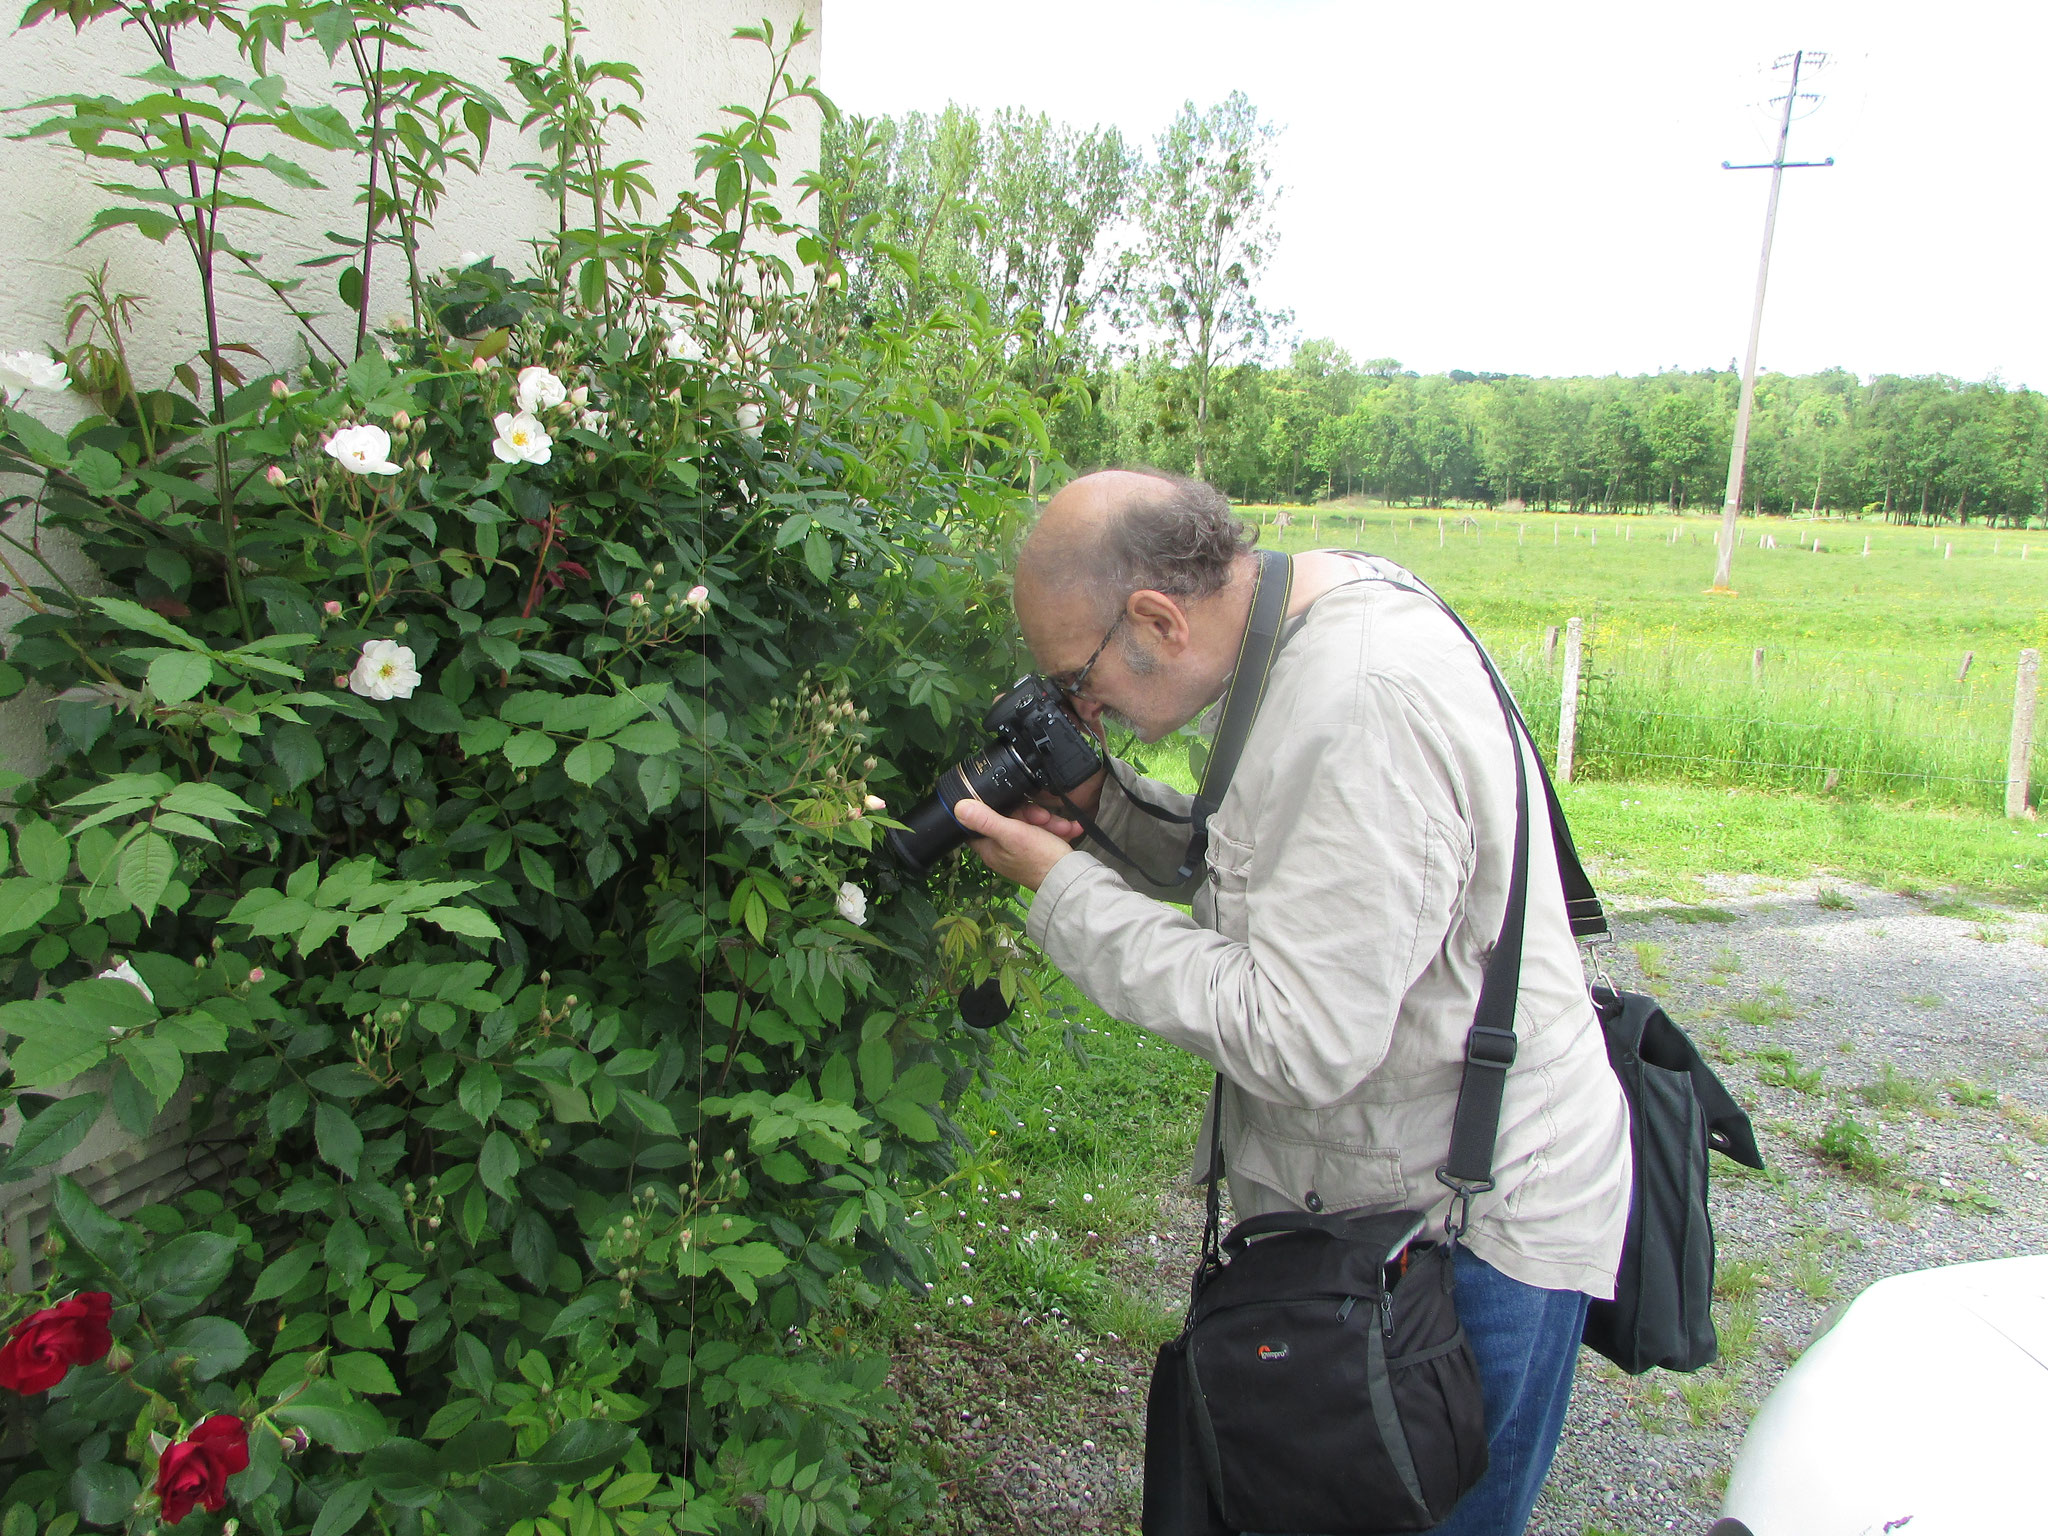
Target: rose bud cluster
{"type": "Point", "coordinates": [43, 1346]}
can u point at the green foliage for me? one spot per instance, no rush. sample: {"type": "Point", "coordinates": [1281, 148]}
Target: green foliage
{"type": "Point", "coordinates": [1780, 1068]}
{"type": "Point", "coordinates": [472, 828]}
{"type": "Point", "coordinates": [1847, 1142]}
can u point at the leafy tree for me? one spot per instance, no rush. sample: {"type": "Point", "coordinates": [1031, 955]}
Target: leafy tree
{"type": "Point", "coordinates": [1208, 235]}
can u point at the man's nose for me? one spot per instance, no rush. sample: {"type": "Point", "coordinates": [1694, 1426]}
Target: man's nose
{"type": "Point", "coordinates": [1089, 710]}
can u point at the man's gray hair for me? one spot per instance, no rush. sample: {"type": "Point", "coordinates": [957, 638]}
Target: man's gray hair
{"type": "Point", "coordinates": [1181, 540]}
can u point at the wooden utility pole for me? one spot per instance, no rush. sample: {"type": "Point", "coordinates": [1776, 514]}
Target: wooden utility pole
{"type": "Point", "coordinates": [1777, 165]}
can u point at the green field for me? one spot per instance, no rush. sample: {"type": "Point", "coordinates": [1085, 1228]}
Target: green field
{"type": "Point", "coordinates": [1858, 687]}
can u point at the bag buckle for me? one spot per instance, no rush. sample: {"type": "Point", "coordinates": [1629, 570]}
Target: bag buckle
{"type": "Point", "coordinates": [1590, 952]}
{"type": "Point", "coordinates": [1462, 1191]}
{"type": "Point", "coordinates": [1486, 1046]}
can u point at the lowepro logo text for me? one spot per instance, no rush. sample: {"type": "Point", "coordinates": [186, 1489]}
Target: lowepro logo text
{"type": "Point", "coordinates": [1274, 1351]}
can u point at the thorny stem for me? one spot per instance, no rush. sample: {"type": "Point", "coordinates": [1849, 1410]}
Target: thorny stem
{"type": "Point", "coordinates": [373, 90]}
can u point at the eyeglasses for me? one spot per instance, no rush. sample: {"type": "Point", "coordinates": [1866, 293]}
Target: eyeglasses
{"type": "Point", "coordinates": [1071, 687]}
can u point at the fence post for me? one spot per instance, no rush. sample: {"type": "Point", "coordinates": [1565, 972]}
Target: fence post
{"type": "Point", "coordinates": [2019, 758]}
{"type": "Point", "coordinates": [1964, 670]}
{"type": "Point", "coordinates": [1568, 701]}
{"type": "Point", "coordinates": [1866, 546]}
{"type": "Point", "coordinates": [1549, 647]}
{"type": "Point", "coordinates": [1756, 667]}
{"type": "Point", "coordinates": [1439, 533]}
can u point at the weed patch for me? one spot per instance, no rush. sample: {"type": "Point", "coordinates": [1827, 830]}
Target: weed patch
{"type": "Point", "coordinates": [2024, 1118]}
{"type": "Point", "coordinates": [1649, 959]}
{"type": "Point", "coordinates": [1896, 1090]}
{"type": "Point", "coordinates": [1967, 911]}
{"type": "Point", "coordinates": [1849, 1145]}
{"type": "Point", "coordinates": [1701, 915]}
{"type": "Point", "coordinates": [1779, 1068]}
{"type": "Point", "coordinates": [1970, 1095]}
{"type": "Point", "coordinates": [1772, 1005]}
{"type": "Point", "coordinates": [1831, 900]}
{"type": "Point", "coordinates": [1726, 962]}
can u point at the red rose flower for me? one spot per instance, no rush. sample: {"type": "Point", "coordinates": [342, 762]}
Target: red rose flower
{"type": "Point", "coordinates": [44, 1345]}
{"type": "Point", "coordinates": [196, 1470]}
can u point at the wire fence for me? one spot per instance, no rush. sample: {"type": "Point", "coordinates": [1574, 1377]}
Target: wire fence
{"type": "Point", "coordinates": [1784, 718]}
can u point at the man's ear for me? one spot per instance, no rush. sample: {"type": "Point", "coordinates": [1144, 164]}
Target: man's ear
{"type": "Point", "coordinates": [1159, 617]}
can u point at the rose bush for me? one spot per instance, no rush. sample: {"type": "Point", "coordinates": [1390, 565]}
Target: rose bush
{"type": "Point", "coordinates": [463, 811]}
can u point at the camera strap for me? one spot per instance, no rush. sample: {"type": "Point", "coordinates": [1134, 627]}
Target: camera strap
{"type": "Point", "coordinates": [1272, 586]}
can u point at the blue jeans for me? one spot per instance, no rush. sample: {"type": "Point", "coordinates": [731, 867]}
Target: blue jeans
{"type": "Point", "coordinates": [1526, 1341]}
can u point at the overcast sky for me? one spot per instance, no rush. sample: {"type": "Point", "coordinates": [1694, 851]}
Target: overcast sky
{"type": "Point", "coordinates": [1536, 188]}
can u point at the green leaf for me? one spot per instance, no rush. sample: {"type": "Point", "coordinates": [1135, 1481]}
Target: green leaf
{"type": "Point", "coordinates": [338, 1137]}
{"type": "Point", "coordinates": [819, 556]}
{"type": "Point", "coordinates": [481, 1092]}
{"type": "Point", "coordinates": [331, 1415]}
{"type": "Point", "coordinates": [343, 1510]}
{"type": "Point", "coordinates": [44, 1140]}
{"type": "Point", "coordinates": [589, 762]}
{"type": "Point", "coordinates": [363, 1372]}
{"type": "Point", "coordinates": [405, 1473]}
{"type": "Point", "coordinates": [55, 1045]}
{"type": "Point", "coordinates": [157, 1064]}
{"type": "Point", "coordinates": [877, 1067]}
{"type": "Point", "coordinates": [176, 676]}
{"type": "Point", "coordinates": [104, 1492]}
{"type": "Point", "coordinates": [498, 1163]}
{"type": "Point", "coordinates": [661, 780]}
{"type": "Point", "coordinates": [433, 713]}
{"type": "Point", "coordinates": [582, 1448]}
{"type": "Point", "coordinates": [529, 749]}
{"type": "Point", "coordinates": [649, 1112]}
{"type": "Point", "coordinates": [185, 1272]}
{"type": "Point", "coordinates": [44, 851]}
{"type": "Point", "coordinates": [147, 864]}
{"type": "Point", "coordinates": [24, 903]}
{"type": "Point", "coordinates": [109, 1242]}
{"type": "Point", "coordinates": [209, 801]}
{"type": "Point", "coordinates": [215, 1344]}
{"type": "Point", "coordinates": [283, 1274]}
{"type": "Point", "coordinates": [649, 738]}
{"type": "Point", "coordinates": [908, 1118]}
{"type": "Point", "coordinates": [296, 749]}
{"type": "Point", "coordinates": [471, 922]}
{"type": "Point", "coordinates": [134, 616]}
{"type": "Point", "coordinates": [367, 935]}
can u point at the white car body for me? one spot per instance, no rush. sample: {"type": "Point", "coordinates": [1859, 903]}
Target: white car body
{"type": "Point", "coordinates": [1922, 1411]}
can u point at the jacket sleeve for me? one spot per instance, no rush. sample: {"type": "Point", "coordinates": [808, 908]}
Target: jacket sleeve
{"type": "Point", "coordinates": [1354, 872]}
{"type": "Point", "coordinates": [1158, 846]}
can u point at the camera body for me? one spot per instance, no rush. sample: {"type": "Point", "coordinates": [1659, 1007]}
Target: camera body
{"type": "Point", "coordinates": [1037, 745]}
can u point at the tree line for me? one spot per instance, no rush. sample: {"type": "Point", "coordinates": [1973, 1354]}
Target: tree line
{"type": "Point", "coordinates": [1120, 282]}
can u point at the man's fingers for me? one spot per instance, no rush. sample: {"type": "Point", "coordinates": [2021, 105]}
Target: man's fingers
{"type": "Point", "coordinates": [980, 819]}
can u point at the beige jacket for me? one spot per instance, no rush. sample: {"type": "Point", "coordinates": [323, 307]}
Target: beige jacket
{"type": "Point", "coordinates": [1357, 876]}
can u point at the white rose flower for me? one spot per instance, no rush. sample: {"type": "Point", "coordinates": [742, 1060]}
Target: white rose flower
{"type": "Point", "coordinates": [683, 347]}
{"type": "Point", "coordinates": [698, 600]}
{"type": "Point", "coordinates": [364, 450]}
{"type": "Point", "coordinates": [126, 972]}
{"type": "Point", "coordinates": [384, 671]}
{"type": "Point", "coordinates": [21, 371]}
{"type": "Point", "coordinates": [594, 421]}
{"type": "Point", "coordinates": [853, 904]}
{"type": "Point", "coordinates": [522, 439]}
{"type": "Point", "coordinates": [540, 390]}
{"type": "Point", "coordinates": [470, 259]}
{"type": "Point", "coordinates": [749, 418]}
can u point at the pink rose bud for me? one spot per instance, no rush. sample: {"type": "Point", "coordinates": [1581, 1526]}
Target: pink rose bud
{"type": "Point", "coordinates": [278, 390]}
{"type": "Point", "coordinates": [401, 422]}
{"type": "Point", "coordinates": [274, 475]}
{"type": "Point", "coordinates": [877, 803]}
{"type": "Point", "coordinates": [580, 395]}
{"type": "Point", "coordinates": [341, 679]}
{"type": "Point", "coordinates": [425, 459]}
{"type": "Point", "coordinates": [255, 974]}
{"type": "Point", "coordinates": [698, 594]}
{"type": "Point", "coordinates": [331, 608]}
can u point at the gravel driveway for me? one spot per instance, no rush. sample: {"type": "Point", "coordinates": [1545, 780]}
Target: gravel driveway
{"type": "Point", "coordinates": [1922, 1022]}
{"type": "Point", "coordinates": [1954, 1000]}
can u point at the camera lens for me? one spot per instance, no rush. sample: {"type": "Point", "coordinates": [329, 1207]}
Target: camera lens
{"type": "Point", "coordinates": [996, 776]}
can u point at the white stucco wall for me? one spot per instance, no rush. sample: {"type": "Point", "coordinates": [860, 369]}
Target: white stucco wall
{"type": "Point", "coordinates": [690, 67]}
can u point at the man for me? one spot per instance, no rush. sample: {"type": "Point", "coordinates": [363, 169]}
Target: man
{"type": "Point", "coordinates": [1357, 874]}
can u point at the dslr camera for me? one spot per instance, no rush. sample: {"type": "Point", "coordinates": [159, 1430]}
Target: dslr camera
{"type": "Point", "coordinates": [1037, 745]}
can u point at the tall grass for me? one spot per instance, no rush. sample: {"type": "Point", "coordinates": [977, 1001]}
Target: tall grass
{"type": "Point", "coordinates": [1858, 692]}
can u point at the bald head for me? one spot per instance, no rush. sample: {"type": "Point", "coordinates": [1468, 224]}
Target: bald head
{"type": "Point", "coordinates": [1119, 531]}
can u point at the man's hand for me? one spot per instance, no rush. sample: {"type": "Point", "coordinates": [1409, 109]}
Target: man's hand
{"type": "Point", "coordinates": [1023, 847]}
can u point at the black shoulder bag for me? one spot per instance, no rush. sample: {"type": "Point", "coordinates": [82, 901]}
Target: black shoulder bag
{"type": "Point", "coordinates": [1321, 1380]}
